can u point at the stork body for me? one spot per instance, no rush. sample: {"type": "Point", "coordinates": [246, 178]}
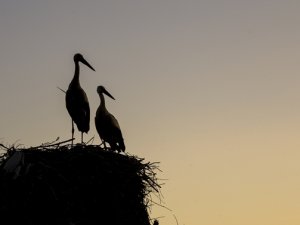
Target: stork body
{"type": "Point", "coordinates": [107, 125]}
{"type": "Point", "coordinates": [77, 102]}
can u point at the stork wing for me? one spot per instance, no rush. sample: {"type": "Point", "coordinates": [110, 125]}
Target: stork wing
{"type": "Point", "coordinates": [78, 107]}
{"type": "Point", "coordinates": [117, 133]}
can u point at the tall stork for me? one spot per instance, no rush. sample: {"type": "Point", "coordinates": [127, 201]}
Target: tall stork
{"type": "Point", "coordinates": [107, 125]}
{"type": "Point", "coordinates": [76, 100]}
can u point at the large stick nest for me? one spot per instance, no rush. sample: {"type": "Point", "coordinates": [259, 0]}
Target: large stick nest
{"type": "Point", "coordinates": [84, 185]}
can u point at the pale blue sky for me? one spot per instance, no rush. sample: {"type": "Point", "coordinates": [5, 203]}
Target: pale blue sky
{"type": "Point", "coordinates": [208, 88]}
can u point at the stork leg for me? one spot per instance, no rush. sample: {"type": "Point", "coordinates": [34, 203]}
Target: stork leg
{"type": "Point", "coordinates": [72, 133]}
{"type": "Point", "coordinates": [81, 137]}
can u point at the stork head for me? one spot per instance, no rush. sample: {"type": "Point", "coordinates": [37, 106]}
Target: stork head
{"type": "Point", "coordinates": [101, 89]}
{"type": "Point", "coordinates": [79, 58]}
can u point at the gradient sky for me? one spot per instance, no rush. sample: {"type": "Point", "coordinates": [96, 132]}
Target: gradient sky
{"type": "Point", "coordinates": [208, 88]}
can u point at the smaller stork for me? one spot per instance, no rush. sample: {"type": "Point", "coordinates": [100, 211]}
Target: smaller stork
{"type": "Point", "coordinates": [107, 125]}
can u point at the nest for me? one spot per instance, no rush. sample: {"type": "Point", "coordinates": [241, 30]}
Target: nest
{"type": "Point", "coordinates": [58, 184]}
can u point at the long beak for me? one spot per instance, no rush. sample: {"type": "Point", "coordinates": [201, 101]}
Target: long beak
{"type": "Point", "coordinates": [87, 64]}
{"type": "Point", "coordinates": [108, 94]}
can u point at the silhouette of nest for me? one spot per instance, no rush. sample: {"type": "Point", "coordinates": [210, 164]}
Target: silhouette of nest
{"type": "Point", "coordinates": [56, 184]}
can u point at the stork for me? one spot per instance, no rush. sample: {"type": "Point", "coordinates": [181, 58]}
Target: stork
{"type": "Point", "coordinates": [107, 125]}
{"type": "Point", "coordinates": [77, 102]}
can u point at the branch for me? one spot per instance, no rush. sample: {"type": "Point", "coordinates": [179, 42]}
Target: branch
{"type": "Point", "coordinates": [62, 90]}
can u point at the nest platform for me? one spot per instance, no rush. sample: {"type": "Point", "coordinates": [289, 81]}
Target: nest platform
{"type": "Point", "coordinates": [82, 185]}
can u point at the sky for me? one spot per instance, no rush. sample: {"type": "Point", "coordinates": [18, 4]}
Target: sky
{"type": "Point", "coordinates": [208, 88]}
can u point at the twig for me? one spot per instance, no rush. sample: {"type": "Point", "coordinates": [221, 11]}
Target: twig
{"type": "Point", "coordinates": [59, 143]}
{"type": "Point", "coordinates": [176, 219]}
{"type": "Point", "coordinates": [4, 146]}
{"type": "Point", "coordinates": [49, 143]}
{"type": "Point", "coordinates": [62, 90]}
{"type": "Point", "coordinates": [161, 206]}
{"type": "Point", "coordinates": [92, 139]}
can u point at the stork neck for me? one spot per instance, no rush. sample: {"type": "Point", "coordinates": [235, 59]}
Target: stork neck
{"type": "Point", "coordinates": [76, 73]}
{"type": "Point", "coordinates": [102, 100]}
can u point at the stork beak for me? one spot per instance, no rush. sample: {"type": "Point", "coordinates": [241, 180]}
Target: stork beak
{"type": "Point", "coordinates": [87, 64]}
{"type": "Point", "coordinates": [108, 94]}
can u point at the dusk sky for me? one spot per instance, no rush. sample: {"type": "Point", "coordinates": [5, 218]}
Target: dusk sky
{"type": "Point", "coordinates": [208, 88]}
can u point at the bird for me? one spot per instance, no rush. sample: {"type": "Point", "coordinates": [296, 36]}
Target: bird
{"type": "Point", "coordinates": [77, 102]}
{"type": "Point", "coordinates": [107, 125]}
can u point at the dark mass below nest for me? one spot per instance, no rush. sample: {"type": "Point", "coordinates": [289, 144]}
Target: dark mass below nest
{"type": "Point", "coordinates": [84, 185]}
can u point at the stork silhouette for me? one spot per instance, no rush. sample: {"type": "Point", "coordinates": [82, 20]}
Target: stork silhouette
{"type": "Point", "coordinates": [107, 125]}
{"type": "Point", "coordinates": [77, 102]}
